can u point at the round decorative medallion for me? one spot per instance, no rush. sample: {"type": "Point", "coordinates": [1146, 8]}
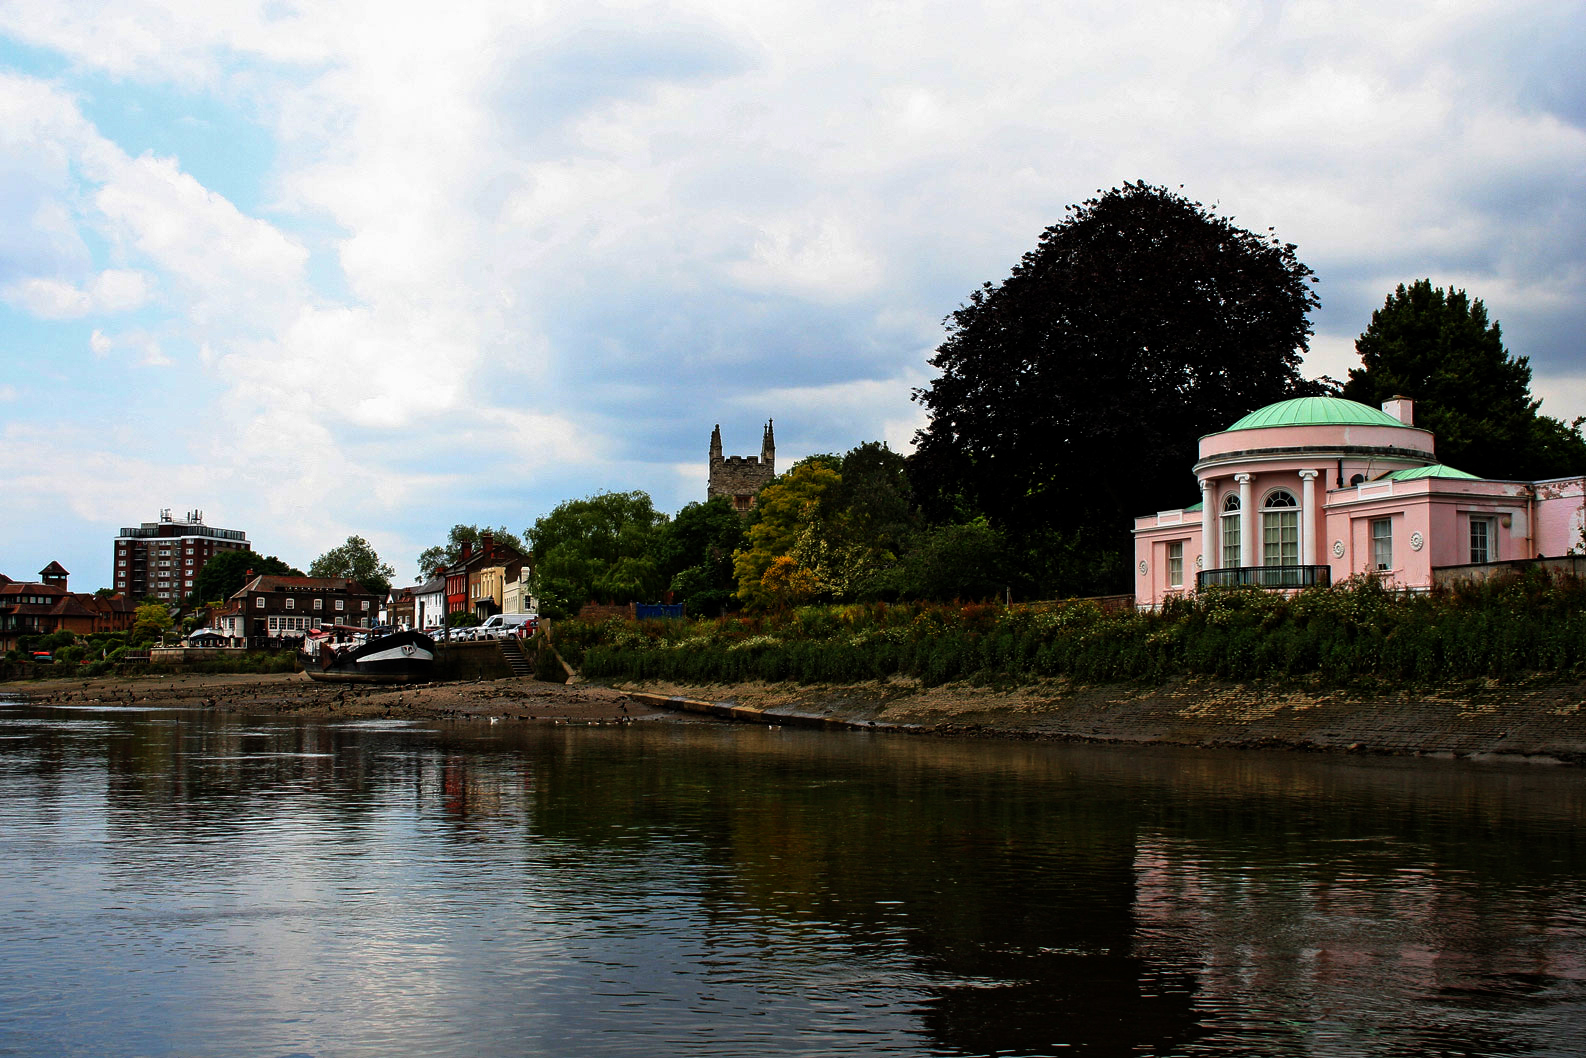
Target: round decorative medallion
{"type": "Point", "coordinates": [1417, 541]}
{"type": "Point", "coordinates": [1200, 561]}
{"type": "Point", "coordinates": [1338, 549]}
{"type": "Point", "coordinates": [1143, 567]}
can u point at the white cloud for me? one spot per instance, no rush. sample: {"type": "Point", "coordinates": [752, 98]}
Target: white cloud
{"type": "Point", "coordinates": [561, 231]}
{"type": "Point", "coordinates": [111, 291]}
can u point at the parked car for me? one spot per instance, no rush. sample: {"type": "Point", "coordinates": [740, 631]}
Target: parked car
{"type": "Point", "coordinates": [502, 625]}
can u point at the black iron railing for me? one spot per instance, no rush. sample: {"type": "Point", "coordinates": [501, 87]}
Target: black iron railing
{"type": "Point", "coordinates": [1265, 577]}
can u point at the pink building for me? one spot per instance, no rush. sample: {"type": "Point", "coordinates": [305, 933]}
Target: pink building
{"type": "Point", "coordinates": [1319, 489]}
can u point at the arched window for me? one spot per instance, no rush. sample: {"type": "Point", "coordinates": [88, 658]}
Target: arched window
{"type": "Point", "coordinates": [1232, 555]}
{"type": "Point", "coordinates": [1280, 529]}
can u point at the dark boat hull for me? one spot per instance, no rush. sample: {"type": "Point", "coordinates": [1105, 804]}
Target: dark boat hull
{"type": "Point", "coordinates": [403, 657]}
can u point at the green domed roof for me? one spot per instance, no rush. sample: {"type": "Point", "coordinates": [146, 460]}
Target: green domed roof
{"type": "Point", "coordinates": [1315, 411]}
{"type": "Point", "coordinates": [1436, 470]}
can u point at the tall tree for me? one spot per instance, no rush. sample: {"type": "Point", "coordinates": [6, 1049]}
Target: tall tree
{"type": "Point", "coordinates": [695, 554]}
{"type": "Point", "coordinates": [432, 558]}
{"type": "Point", "coordinates": [225, 574]}
{"type": "Point", "coordinates": [1437, 347]}
{"type": "Point", "coordinates": [356, 560]}
{"type": "Point", "coordinates": [597, 549]}
{"type": "Point", "coordinates": [1070, 398]}
{"type": "Point", "coordinates": [785, 511]}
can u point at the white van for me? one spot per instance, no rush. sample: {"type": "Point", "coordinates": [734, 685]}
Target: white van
{"type": "Point", "coordinates": [502, 625]}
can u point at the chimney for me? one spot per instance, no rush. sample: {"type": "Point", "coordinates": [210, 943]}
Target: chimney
{"type": "Point", "coordinates": [488, 538]}
{"type": "Point", "coordinates": [1401, 408]}
{"type": "Point", "coordinates": [468, 551]}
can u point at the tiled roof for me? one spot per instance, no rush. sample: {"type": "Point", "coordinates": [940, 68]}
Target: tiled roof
{"type": "Point", "coordinates": [1315, 411]}
{"type": "Point", "coordinates": [270, 582]}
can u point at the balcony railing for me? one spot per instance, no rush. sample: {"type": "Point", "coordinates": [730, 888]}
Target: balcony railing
{"type": "Point", "coordinates": [1265, 577]}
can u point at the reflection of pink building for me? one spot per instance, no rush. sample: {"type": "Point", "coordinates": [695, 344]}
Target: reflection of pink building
{"type": "Point", "coordinates": [1318, 489]}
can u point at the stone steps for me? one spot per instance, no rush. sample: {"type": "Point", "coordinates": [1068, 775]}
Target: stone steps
{"type": "Point", "coordinates": [512, 651]}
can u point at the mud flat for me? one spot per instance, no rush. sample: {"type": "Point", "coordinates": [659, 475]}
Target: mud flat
{"type": "Point", "coordinates": [295, 694]}
{"type": "Point", "coordinates": [1538, 721]}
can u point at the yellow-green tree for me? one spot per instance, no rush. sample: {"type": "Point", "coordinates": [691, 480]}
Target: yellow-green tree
{"type": "Point", "coordinates": [149, 622]}
{"type": "Point", "coordinates": [785, 509]}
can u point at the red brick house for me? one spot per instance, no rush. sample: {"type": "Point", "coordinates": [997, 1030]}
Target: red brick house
{"type": "Point", "coordinates": [269, 609]}
{"type": "Point", "coordinates": [31, 608]}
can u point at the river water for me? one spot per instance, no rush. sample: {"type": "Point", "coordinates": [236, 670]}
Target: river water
{"type": "Point", "coordinates": [189, 883]}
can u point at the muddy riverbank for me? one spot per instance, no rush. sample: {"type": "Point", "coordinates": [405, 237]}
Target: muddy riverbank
{"type": "Point", "coordinates": [1537, 721]}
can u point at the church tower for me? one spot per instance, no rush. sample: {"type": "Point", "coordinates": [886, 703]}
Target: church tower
{"type": "Point", "coordinates": [741, 477]}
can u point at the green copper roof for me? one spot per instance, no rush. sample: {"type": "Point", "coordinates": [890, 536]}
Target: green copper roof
{"type": "Point", "coordinates": [1436, 470]}
{"type": "Point", "coordinates": [1315, 411]}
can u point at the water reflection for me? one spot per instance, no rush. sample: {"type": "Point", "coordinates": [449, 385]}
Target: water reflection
{"type": "Point", "coordinates": [198, 883]}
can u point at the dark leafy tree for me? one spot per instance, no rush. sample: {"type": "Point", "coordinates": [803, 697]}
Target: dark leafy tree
{"type": "Point", "coordinates": [1070, 398]}
{"type": "Point", "coordinates": [356, 560]}
{"type": "Point", "coordinates": [225, 574]}
{"type": "Point", "coordinates": [968, 561]}
{"type": "Point", "coordinates": [1438, 348]}
{"type": "Point", "coordinates": [602, 548]}
{"type": "Point", "coordinates": [433, 558]}
{"type": "Point", "coordinates": [694, 552]}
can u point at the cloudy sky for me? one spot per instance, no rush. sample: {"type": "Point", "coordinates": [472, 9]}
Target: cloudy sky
{"type": "Point", "coordinates": [325, 268]}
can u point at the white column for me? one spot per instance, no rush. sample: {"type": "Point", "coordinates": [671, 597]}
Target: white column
{"type": "Point", "coordinates": [1308, 517]}
{"type": "Point", "coordinates": [1208, 525]}
{"type": "Point", "coordinates": [1247, 520]}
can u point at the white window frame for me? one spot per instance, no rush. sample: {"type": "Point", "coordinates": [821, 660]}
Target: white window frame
{"type": "Point", "coordinates": [1175, 564]}
{"type": "Point", "coordinates": [1280, 529]}
{"type": "Point", "coordinates": [1233, 554]}
{"type": "Point", "coordinates": [341, 604]}
{"type": "Point", "coordinates": [1381, 531]}
{"type": "Point", "coordinates": [1489, 541]}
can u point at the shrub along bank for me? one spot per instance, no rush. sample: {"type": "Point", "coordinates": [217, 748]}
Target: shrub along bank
{"type": "Point", "coordinates": [1343, 635]}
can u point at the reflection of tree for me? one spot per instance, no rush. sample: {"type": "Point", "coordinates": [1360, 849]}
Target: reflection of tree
{"type": "Point", "coordinates": [1017, 912]}
{"type": "Point", "coordinates": [1019, 897]}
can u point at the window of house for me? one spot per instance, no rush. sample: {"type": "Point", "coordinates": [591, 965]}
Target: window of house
{"type": "Point", "coordinates": [1482, 540]}
{"type": "Point", "coordinates": [341, 604]}
{"type": "Point", "coordinates": [366, 604]}
{"type": "Point", "coordinates": [1382, 543]}
{"type": "Point", "coordinates": [1232, 554]}
{"type": "Point", "coordinates": [258, 602]}
{"type": "Point", "coordinates": [291, 604]}
{"type": "Point", "coordinates": [1280, 529]}
{"type": "Point", "coordinates": [319, 604]}
{"type": "Point", "coordinates": [275, 624]}
{"type": "Point", "coordinates": [1175, 564]}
